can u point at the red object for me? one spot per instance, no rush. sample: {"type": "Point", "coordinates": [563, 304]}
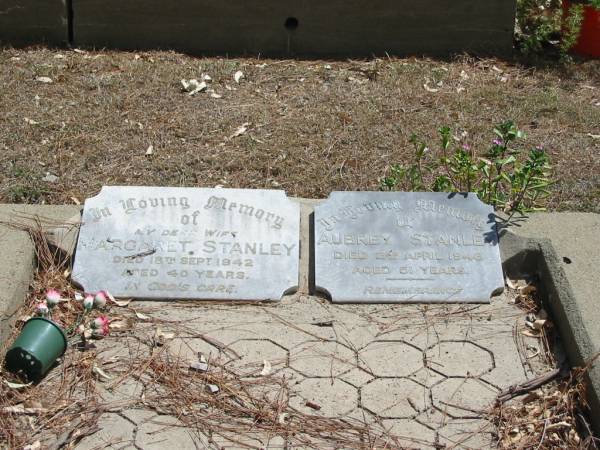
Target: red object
{"type": "Point", "coordinates": [588, 43]}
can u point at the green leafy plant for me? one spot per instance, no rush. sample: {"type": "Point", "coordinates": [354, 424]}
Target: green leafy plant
{"type": "Point", "coordinates": [541, 23]}
{"type": "Point", "coordinates": [571, 28]}
{"type": "Point", "coordinates": [538, 23]}
{"type": "Point", "coordinates": [499, 176]}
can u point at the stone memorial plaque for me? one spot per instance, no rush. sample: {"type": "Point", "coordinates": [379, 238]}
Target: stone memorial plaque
{"type": "Point", "coordinates": [394, 247]}
{"type": "Point", "coordinates": [189, 243]}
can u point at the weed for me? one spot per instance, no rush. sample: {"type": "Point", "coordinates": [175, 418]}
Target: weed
{"type": "Point", "coordinates": [21, 193]}
{"type": "Point", "coordinates": [498, 176]}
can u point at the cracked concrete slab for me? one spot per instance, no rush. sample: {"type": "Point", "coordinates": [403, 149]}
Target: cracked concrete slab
{"type": "Point", "coordinates": [440, 375]}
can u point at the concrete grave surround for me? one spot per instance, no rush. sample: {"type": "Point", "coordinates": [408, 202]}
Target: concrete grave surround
{"type": "Point", "coordinates": [484, 345]}
{"type": "Point", "coordinates": [392, 247]}
{"type": "Point", "coordinates": [189, 243]}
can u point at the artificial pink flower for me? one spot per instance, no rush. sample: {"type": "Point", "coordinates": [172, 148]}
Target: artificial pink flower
{"type": "Point", "coordinates": [52, 297]}
{"type": "Point", "coordinates": [41, 309]}
{"type": "Point", "coordinates": [88, 302]}
{"type": "Point", "coordinates": [100, 300]}
{"type": "Point", "coordinates": [100, 332]}
{"type": "Point", "coordinates": [100, 322]}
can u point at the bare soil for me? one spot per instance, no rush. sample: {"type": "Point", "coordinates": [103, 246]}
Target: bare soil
{"type": "Point", "coordinates": [312, 126]}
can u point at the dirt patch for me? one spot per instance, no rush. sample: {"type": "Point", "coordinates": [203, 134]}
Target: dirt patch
{"type": "Point", "coordinates": [312, 126]}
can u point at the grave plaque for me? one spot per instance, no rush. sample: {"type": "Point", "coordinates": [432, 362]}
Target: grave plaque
{"type": "Point", "coordinates": [394, 247]}
{"type": "Point", "coordinates": [189, 243]}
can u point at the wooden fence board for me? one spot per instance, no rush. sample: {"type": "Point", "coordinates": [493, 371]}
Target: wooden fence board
{"type": "Point", "coordinates": [24, 22]}
{"type": "Point", "coordinates": [325, 27]}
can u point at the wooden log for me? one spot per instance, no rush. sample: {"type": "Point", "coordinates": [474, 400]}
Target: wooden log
{"type": "Point", "coordinates": [25, 22]}
{"type": "Point", "coordinates": [317, 28]}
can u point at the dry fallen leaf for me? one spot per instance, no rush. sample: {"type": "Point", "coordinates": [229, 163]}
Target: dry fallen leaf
{"type": "Point", "coordinates": [429, 89]}
{"type": "Point", "coordinates": [44, 79]}
{"type": "Point", "coordinates": [142, 316]}
{"type": "Point", "coordinates": [100, 374]}
{"type": "Point", "coordinates": [121, 303]}
{"type": "Point", "coordinates": [240, 130]}
{"type": "Point", "coordinates": [150, 150]}
{"type": "Point", "coordinates": [531, 333]}
{"type": "Point", "coordinates": [17, 385]}
{"type": "Point", "coordinates": [161, 337]}
{"type": "Point", "coordinates": [199, 366]}
{"type": "Point", "coordinates": [193, 86]}
{"type": "Point", "coordinates": [238, 76]}
{"type": "Point", "coordinates": [266, 370]}
{"type": "Point", "coordinates": [510, 283]}
{"type": "Point", "coordinates": [120, 325]}
{"type": "Point", "coordinates": [35, 446]}
{"type": "Point", "coordinates": [594, 136]}
{"type": "Point", "coordinates": [524, 290]}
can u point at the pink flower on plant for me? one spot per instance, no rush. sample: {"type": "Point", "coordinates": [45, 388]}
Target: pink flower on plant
{"type": "Point", "coordinates": [100, 299]}
{"type": "Point", "coordinates": [52, 297]}
{"type": "Point", "coordinates": [466, 147]}
{"type": "Point", "coordinates": [41, 309]}
{"type": "Point", "coordinates": [498, 142]}
{"type": "Point", "coordinates": [100, 322]}
{"type": "Point", "coordinates": [88, 302]}
{"type": "Point", "coordinates": [540, 148]}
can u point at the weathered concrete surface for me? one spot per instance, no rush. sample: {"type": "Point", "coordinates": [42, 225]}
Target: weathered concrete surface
{"type": "Point", "coordinates": [563, 250]}
{"type": "Point", "coordinates": [26, 22]}
{"type": "Point", "coordinates": [16, 248]}
{"type": "Point", "coordinates": [424, 370]}
{"type": "Point", "coordinates": [289, 27]}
